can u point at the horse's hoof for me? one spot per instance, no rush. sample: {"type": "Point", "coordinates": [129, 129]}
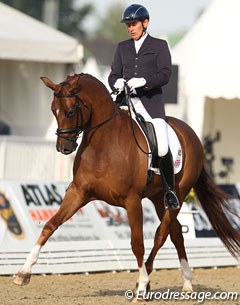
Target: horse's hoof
{"type": "Point", "coordinates": [187, 286]}
{"type": "Point", "coordinates": [141, 296]}
{"type": "Point", "coordinates": [22, 279]}
{"type": "Point", "coordinates": [136, 300]}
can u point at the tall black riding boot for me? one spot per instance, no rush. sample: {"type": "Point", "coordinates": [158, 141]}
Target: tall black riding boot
{"type": "Point", "coordinates": [167, 172]}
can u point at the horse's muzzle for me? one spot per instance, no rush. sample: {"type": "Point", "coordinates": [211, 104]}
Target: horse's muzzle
{"type": "Point", "coordinates": [65, 151]}
{"type": "Point", "coordinates": [67, 147]}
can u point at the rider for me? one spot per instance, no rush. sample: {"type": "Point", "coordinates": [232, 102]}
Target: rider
{"type": "Point", "coordinates": [144, 62]}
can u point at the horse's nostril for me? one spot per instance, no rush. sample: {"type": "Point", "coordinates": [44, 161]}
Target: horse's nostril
{"type": "Point", "coordinates": [66, 151]}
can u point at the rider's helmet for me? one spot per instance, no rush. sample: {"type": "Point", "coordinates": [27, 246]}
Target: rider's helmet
{"type": "Point", "coordinates": [135, 12]}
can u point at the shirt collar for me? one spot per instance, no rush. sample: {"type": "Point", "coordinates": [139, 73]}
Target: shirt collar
{"type": "Point", "coordinates": [139, 42]}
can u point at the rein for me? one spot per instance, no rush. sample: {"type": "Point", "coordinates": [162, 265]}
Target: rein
{"type": "Point", "coordinates": [130, 106]}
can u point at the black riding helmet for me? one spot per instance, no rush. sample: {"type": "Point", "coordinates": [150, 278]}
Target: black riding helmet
{"type": "Point", "coordinates": [135, 12]}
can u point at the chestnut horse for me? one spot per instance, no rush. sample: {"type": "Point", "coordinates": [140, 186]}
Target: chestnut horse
{"type": "Point", "coordinates": [109, 166]}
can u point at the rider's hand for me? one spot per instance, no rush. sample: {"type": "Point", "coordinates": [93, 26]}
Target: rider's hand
{"type": "Point", "coordinates": [135, 82]}
{"type": "Point", "coordinates": [119, 84]}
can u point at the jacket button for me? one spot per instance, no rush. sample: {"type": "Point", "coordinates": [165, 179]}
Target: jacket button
{"type": "Point", "coordinates": [135, 73]}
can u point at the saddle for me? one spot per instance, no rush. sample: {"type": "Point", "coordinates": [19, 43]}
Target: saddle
{"type": "Point", "coordinates": [149, 131]}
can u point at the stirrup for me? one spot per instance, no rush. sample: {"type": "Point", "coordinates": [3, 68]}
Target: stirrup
{"type": "Point", "coordinates": [171, 200]}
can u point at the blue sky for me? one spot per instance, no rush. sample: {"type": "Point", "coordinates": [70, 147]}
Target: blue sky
{"type": "Point", "coordinates": [166, 15]}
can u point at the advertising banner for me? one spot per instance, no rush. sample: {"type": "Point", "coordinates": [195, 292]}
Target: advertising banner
{"type": "Point", "coordinates": [26, 206]}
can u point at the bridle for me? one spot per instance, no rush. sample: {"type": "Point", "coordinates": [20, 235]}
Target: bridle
{"type": "Point", "coordinates": [60, 132]}
{"type": "Point", "coordinates": [80, 127]}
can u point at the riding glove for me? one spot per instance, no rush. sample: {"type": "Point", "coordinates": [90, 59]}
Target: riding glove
{"type": "Point", "coordinates": [119, 84]}
{"type": "Point", "coordinates": [136, 82]}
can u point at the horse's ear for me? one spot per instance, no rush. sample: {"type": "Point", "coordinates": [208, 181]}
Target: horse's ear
{"type": "Point", "coordinates": [48, 83]}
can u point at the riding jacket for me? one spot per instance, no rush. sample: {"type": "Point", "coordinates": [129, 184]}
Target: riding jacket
{"type": "Point", "coordinates": [152, 62]}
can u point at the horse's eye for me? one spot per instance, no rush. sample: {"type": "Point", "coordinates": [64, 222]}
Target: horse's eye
{"type": "Point", "coordinates": [70, 113]}
{"type": "Point", "coordinates": [74, 91]}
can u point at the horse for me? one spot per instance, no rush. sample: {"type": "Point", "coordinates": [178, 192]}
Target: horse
{"type": "Point", "coordinates": [109, 166]}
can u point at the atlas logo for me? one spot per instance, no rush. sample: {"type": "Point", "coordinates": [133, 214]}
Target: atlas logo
{"type": "Point", "coordinates": [8, 215]}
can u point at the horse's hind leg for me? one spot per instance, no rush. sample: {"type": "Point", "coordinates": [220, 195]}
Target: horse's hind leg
{"type": "Point", "coordinates": [170, 224]}
{"type": "Point", "coordinates": [73, 200]}
{"type": "Point", "coordinates": [178, 241]}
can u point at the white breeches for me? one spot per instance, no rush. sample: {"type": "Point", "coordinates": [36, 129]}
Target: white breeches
{"type": "Point", "coordinates": [160, 127]}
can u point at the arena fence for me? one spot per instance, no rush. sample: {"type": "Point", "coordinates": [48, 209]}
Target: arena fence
{"type": "Point", "coordinates": [32, 159]}
{"type": "Point", "coordinates": [109, 255]}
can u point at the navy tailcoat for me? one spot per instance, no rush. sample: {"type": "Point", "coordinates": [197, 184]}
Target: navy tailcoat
{"type": "Point", "coordinates": [153, 62]}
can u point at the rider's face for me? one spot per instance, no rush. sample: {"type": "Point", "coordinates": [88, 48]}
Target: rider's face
{"type": "Point", "coordinates": [135, 28]}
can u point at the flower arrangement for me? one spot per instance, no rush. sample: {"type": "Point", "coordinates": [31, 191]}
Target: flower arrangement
{"type": "Point", "coordinates": [191, 197]}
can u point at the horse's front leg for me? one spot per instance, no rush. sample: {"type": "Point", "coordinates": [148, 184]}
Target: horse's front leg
{"type": "Point", "coordinates": [160, 235]}
{"type": "Point", "coordinates": [135, 218]}
{"type": "Point", "coordinates": [73, 200]}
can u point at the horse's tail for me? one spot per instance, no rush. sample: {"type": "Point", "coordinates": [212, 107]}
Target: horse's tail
{"type": "Point", "coordinates": [215, 203]}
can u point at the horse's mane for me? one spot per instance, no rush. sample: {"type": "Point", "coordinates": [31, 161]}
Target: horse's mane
{"type": "Point", "coordinates": [82, 76]}
{"type": "Point", "coordinates": [86, 76]}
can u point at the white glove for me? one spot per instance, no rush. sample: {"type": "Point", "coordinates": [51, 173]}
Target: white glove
{"type": "Point", "coordinates": [135, 82]}
{"type": "Point", "coordinates": [119, 84]}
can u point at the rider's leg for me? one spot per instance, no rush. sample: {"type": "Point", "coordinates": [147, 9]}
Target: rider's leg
{"type": "Point", "coordinates": [165, 160]}
{"type": "Point", "coordinates": [166, 164]}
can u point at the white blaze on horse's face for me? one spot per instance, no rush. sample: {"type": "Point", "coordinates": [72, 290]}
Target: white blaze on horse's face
{"type": "Point", "coordinates": [55, 108]}
{"type": "Point", "coordinates": [57, 112]}
{"type": "Point", "coordinates": [66, 112]}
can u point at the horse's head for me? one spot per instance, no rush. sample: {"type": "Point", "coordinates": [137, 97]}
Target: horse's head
{"type": "Point", "coordinates": [71, 112]}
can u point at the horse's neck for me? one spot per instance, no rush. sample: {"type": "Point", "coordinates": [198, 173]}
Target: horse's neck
{"type": "Point", "coordinates": [105, 125]}
{"type": "Point", "coordinates": [102, 111]}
